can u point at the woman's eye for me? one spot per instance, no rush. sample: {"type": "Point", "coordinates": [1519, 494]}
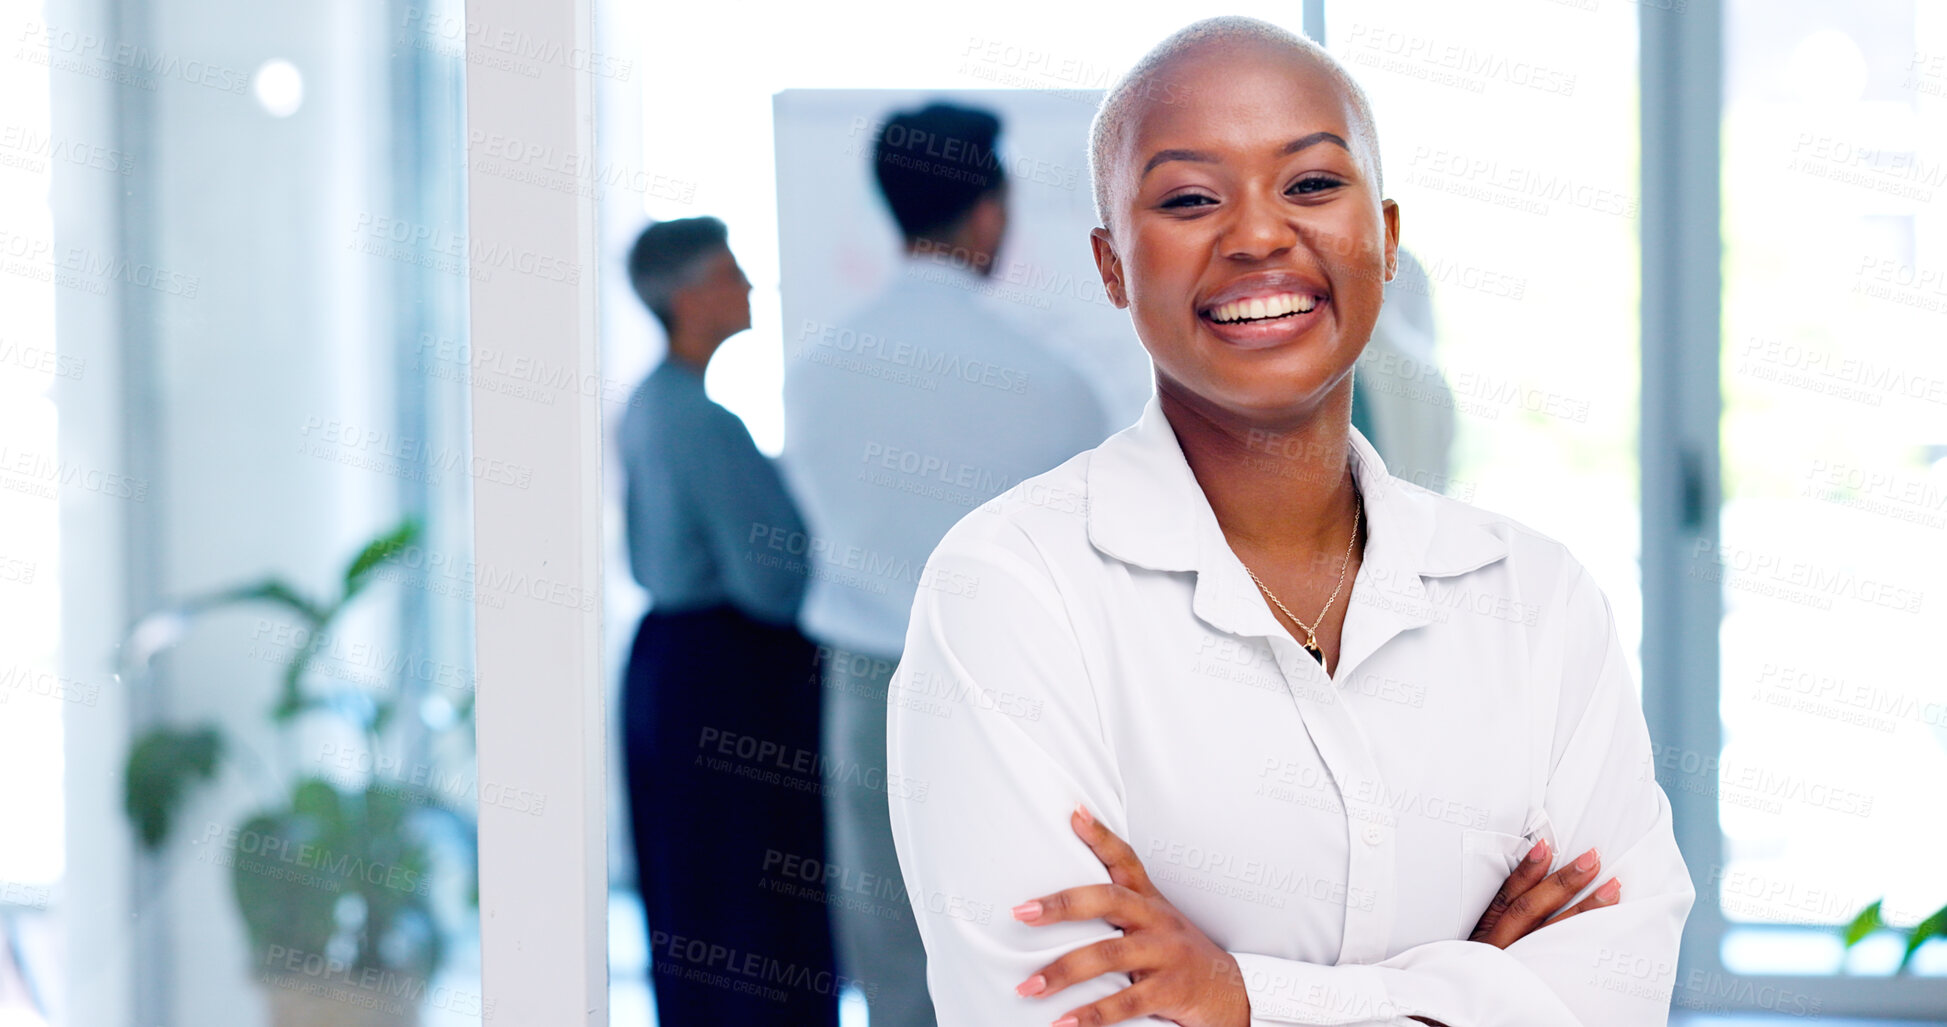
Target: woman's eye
{"type": "Point", "coordinates": [1186, 200]}
{"type": "Point", "coordinates": [1313, 184]}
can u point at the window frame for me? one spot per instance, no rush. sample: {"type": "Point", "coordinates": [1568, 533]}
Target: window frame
{"type": "Point", "coordinates": [1681, 74]}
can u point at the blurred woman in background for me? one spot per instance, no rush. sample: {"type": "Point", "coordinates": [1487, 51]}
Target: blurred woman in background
{"type": "Point", "coordinates": [720, 708]}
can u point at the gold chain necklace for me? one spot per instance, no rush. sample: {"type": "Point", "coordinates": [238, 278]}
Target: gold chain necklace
{"type": "Point", "coordinates": [1311, 630]}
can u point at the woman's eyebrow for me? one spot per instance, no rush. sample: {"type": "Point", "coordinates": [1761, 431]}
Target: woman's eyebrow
{"type": "Point", "coordinates": [1206, 157]}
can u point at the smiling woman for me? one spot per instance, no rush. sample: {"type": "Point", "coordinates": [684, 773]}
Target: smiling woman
{"type": "Point", "coordinates": [1268, 830]}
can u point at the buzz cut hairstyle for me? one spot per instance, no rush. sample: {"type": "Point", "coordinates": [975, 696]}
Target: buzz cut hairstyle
{"type": "Point", "coordinates": [1106, 134]}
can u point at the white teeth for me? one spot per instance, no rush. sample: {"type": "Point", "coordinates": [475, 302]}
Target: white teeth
{"type": "Point", "coordinates": [1264, 307]}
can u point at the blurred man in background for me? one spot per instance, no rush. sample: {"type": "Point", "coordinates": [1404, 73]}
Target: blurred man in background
{"type": "Point", "coordinates": [1401, 401]}
{"type": "Point", "coordinates": [924, 406]}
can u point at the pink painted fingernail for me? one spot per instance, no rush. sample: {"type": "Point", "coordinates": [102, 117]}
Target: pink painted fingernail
{"type": "Point", "coordinates": [1610, 892]}
{"type": "Point", "coordinates": [1538, 853]}
{"type": "Point", "coordinates": [1067, 1021]}
{"type": "Point", "coordinates": [1032, 986]}
{"type": "Point", "coordinates": [1082, 811]}
{"type": "Point", "coordinates": [1588, 861]}
{"type": "Point", "coordinates": [1028, 910]}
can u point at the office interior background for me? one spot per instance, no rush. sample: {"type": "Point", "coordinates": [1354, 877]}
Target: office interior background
{"type": "Point", "coordinates": [236, 480]}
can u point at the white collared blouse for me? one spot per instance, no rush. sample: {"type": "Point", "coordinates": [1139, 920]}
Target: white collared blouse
{"type": "Point", "coordinates": [1090, 637]}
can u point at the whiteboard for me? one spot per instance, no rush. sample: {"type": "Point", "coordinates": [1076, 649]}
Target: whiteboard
{"type": "Point", "coordinates": [838, 244]}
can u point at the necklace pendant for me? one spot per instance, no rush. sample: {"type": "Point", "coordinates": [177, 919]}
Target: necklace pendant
{"type": "Point", "coordinates": [1311, 646]}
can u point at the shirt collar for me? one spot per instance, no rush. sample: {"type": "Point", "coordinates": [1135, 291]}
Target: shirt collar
{"type": "Point", "coordinates": [941, 270]}
{"type": "Point", "coordinates": [676, 370]}
{"type": "Point", "coordinates": [1145, 508]}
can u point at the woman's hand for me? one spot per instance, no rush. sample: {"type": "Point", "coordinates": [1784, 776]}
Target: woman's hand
{"type": "Point", "coordinates": [1179, 974]}
{"type": "Point", "coordinates": [1531, 897]}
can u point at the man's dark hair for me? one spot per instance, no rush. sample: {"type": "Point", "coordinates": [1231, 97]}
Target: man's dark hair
{"type": "Point", "coordinates": [667, 255]}
{"type": "Point", "coordinates": [935, 163]}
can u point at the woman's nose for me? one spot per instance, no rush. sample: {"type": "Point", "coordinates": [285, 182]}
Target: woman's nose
{"type": "Point", "coordinates": [1260, 227]}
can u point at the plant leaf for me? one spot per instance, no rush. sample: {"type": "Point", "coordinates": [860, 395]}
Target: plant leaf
{"type": "Point", "coordinates": [1926, 930]}
{"type": "Point", "coordinates": [287, 873]}
{"type": "Point", "coordinates": [269, 590]}
{"type": "Point", "coordinates": [162, 766]}
{"type": "Point", "coordinates": [381, 715]}
{"type": "Point", "coordinates": [1864, 924]}
{"type": "Point", "coordinates": [379, 551]}
{"type": "Point", "coordinates": [315, 797]}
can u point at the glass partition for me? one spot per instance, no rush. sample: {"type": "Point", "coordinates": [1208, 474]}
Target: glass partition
{"type": "Point", "coordinates": [236, 573]}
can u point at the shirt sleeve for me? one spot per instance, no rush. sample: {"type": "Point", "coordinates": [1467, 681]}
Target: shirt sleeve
{"type": "Point", "coordinates": [752, 528]}
{"type": "Point", "coordinates": [1608, 967]}
{"type": "Point", "coordinates": [994, 733]}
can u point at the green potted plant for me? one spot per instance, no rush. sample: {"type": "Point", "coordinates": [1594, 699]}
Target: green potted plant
{"type": "Point", "coordinates": [340, 887]}
{"type": "Point", "coordinates": [1868, 922]}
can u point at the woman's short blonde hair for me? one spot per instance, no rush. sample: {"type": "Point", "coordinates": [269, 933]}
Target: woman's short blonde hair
{"type": "Point", "coordinates": [1107, 132]}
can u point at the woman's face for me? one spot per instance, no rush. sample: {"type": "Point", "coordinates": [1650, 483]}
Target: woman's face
{"type": "Point", "coordinates": [1246, 237]}
{"type": "Point", "coordinates": [720, 296]}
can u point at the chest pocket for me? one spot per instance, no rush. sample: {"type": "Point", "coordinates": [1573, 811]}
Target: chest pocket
{"type": "Point", "coordinates": [1488, 857]}
{"type": "Point", "coordinates": [1486, 860]}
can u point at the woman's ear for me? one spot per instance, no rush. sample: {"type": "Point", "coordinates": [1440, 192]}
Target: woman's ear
{"type": "Point", "coordinates": [1389, 209]}
{"type": "Point", "coordinates": [986, 225]}
{"type": "Point", "coordinates": [1109, 265]}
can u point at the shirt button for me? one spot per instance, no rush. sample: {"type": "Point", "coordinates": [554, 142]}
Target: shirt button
{"type": "Point", "coordinates": [1374, 835]}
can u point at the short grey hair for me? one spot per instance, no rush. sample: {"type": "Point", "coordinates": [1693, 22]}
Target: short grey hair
{"type": "Point", "coordinates": [1106, 133]}
{"type": "Point", "coordinates": [671, 255]}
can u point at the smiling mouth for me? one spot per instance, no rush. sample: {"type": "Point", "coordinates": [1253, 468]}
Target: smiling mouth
{"type": "Point", "coordinates": [1262, 309]}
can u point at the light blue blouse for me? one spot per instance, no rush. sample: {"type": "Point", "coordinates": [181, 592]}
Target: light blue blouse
{"type": "Point", "coordinates": [709, 519]}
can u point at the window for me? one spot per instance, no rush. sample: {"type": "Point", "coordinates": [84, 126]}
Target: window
{"type": "Point", "coordinates": [1834, 521]}
{"type": "Point", "coordinates": [233, 349]}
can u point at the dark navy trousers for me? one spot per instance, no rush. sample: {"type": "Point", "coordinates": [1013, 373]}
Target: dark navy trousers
{"type": "Point", "coordinates": [726, 789]}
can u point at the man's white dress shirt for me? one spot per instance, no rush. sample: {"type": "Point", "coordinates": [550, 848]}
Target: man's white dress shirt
{"type": "Point", "coordinates": [1090, 637]}
{"type": "Point", "coordinates": [915, 409]}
